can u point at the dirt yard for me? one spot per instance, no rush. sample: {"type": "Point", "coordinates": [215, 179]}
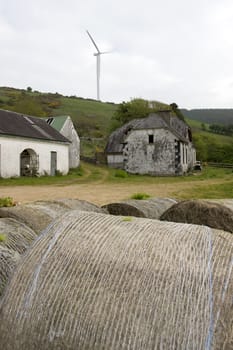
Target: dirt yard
{"type": "Point", "coordinates": [97, 192]}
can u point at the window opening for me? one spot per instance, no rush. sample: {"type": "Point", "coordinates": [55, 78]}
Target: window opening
{"type": "Point", "coordinates": [151, 138]}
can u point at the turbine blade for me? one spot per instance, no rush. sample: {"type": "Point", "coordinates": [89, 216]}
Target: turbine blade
{"type": "Point", "coordinates": [93, 42]}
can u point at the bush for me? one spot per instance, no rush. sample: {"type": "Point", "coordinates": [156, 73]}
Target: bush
{"type": "Point", "coordinates": [6, 202]}
{"type": "Point", "coordinates": [121, 173]}
{"type": "Point", "coordinates": [140, 196]}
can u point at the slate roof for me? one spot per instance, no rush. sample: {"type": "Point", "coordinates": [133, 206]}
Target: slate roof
{"type": "Point", "coordinates": [160, 120]}
{"type": "Point", "coordinates": [21, 125]}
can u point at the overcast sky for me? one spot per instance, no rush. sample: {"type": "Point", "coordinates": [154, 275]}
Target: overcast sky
{"type": "Point", "coordinates": [167, 50]}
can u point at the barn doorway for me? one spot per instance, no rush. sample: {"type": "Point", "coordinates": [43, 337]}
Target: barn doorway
{"type": "Point", "coordinates": [53, 163]}
{"type": "Point", "coordinates": [29, 163]}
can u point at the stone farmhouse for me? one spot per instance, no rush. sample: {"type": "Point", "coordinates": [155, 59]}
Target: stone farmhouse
{"type": "Point", "coordinates": [30, 146]}
{"type": "Point", "coordinates": [160, 144]}
{"type": "Point", "coordinates": [65, 126]}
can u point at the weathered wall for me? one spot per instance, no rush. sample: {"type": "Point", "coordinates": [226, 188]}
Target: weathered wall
{"type": "Point", "coordinates": [157, 158]}
{"type": "Point", "coordinates": [115, 161]}
{"type": "Point", "coordinates": [70, 133]}
{"type": "Point", "coordinates": [12, 147]}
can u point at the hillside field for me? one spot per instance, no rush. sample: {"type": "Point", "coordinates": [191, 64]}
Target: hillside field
{"type": "Point", "coordinates": [93, 121]}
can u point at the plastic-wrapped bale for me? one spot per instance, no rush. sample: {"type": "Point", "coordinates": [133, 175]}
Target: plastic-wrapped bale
{"type": "Point", "coordinates": [51, 208]}
{"type": "Point", "coordinates": [79, 204]}
{"type": "Point", "coordinates": [151, 208]}
{"type": "Point", "coordinates": [95, 281]}
{"type": "Point", "coordinates": [201, 212]}
{"type": "Point", "coordinates": [226, 202]}
{"type": "Point", "coordinates": [8, 261]}
{"type": "Point", "coordinates": [17, 235]}
{"type": "Point", "coordinates": [36, 219]}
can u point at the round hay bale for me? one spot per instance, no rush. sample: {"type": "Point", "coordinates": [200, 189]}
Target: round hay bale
{"type": "Point", "coordinates": [51, 208]}
{"type": "Point", "coordinates": [226, 202]}
{"type": "Point", "coordinates": [77, 204]}
{"type": "Point", "coordinates": [33, 217]}
{"type": "Point", "coordinates": [38, 215]}
{"type": "Point", "coordinates": [95, 281]}
{"type": "Point", "coordinates": [201, 212]}
{"type": "Point", "coordinates": [18, 236]}
{"type": "Point", "coordinates": [150, 208]}
{"type": "Point", "coordinates": [8, 260]}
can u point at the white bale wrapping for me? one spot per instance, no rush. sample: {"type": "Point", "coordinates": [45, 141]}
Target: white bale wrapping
{"type": "Point", "coordinates": [95, 281]}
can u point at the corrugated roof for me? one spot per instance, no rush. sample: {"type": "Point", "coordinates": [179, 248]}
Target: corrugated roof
{"type": "Point", "coordinates": [57, 122]}
{"type": "Point", "coordinates": [21, 125]}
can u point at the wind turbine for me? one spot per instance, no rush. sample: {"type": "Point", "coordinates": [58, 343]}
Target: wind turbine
{"type": "Point", "coordinates": [97, 54]}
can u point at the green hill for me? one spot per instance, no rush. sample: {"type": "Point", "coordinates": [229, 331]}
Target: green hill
{"type": "Point", "coordinates": [90, 117]}
{"type": "Point", "coordinates": [93, 121]}
{"type": "Point", "coordinates": [210, 116]}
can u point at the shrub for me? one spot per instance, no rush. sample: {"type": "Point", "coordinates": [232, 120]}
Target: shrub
{"type": "Point", "coordinates": [6, 202]}
{"type": "Point", "coordinates": [121, 173]}
{"type": "Point", "coordinates": [140, 196]}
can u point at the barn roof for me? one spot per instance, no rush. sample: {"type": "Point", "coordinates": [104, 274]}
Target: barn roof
{"type": "Point", "coordinates": [21, 125]}
{"type": "Point", "coordinates": [57, 122]}
{"type": "Point", "coordinates": [160, 120]}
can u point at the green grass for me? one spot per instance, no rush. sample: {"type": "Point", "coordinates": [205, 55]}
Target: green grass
{"type": "Point", "coordinates": [127, 218]}
{"type": "Point", "coordinates": [6, 202]}
{"type": "Point", "coordinates": [119, 173]}
{"type": "Point", "coordinates": [223, 190]}
{"type": "Point", "coordinates": [88, 173]}
{"type": "Point", "coordinates": [2, 237]}
{"type": "Point", "coordinates": [92, 118]}
{"type": "Point", "coordinates": [140, 196]}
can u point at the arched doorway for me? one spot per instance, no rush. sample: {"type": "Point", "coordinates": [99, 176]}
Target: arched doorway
{"type": "Point", "coordinates": [29, 163]}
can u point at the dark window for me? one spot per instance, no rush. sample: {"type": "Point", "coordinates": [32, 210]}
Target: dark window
{"type": "Point", "coordinates": [151, 138]}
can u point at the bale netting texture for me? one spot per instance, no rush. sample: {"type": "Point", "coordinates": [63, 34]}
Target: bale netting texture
{"type": "Point", "coordinates": [152, 208]}
{"type": "Point", "coordinates": [94, 281]}
{"type": "Point", "coordinates": [79, 204]}
{"type": "Point", "coordinates": [16, 235]}
{"type": "Point", "coordinates": [228, 202]}
{"type": "Point", "coordinates": [30, 215]}
{"type": "Point", "coordinates": [200, 212]}
{"type": "Point", "coordinates": [8, 261]}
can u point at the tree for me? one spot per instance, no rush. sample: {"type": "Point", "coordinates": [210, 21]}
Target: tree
{"type": "Point", "coordinates": [203, 126]}
{"type": "Point", "coordinates": [176, 110]}
{"type": "Point", "coordinates": [29, 89]}
{"type": "Point", "coordinates": [136, 108]}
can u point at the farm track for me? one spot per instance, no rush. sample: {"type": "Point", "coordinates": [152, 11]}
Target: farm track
{"type": "Point", "coordinates": [100, 192]}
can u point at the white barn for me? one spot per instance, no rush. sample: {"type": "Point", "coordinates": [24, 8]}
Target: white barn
{"type": "Point", "coordinates": [29, 146]}
{"type": "Point", "coordinates": [65, 126]}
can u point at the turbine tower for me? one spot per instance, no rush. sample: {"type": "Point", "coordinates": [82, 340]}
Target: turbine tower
{"type": "Point", "coordinates": [97, 54]}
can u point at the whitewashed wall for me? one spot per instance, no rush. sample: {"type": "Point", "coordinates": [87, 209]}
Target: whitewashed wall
{"type": "Point", "coordinates": [70, 133]}
{"type": "Point", "coordinates": [12, 147]}
{"type": "Point", "coordinates": [157, 158]}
